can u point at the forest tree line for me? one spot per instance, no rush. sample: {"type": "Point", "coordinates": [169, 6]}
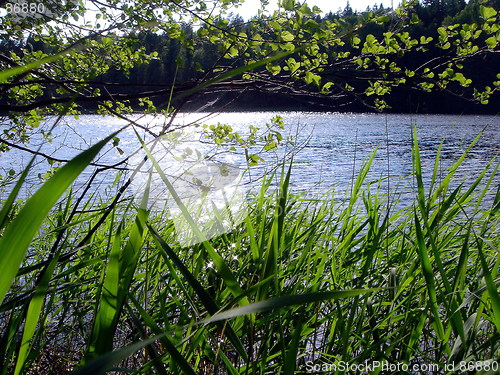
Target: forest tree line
{"type": "Point", "coordinates": [181, 57]}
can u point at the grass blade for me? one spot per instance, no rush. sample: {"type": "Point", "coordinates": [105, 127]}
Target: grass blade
{"type": "Point", "coordinates": [429, 278]}
{"type": "Point", "coordinates": [291, 354]}
{"type": "Point", "coordinates": [491, 287]}
{"type": "Point", "coordinates": [202, 293]}
{"type": "Point", "coordinates": [286, 301]}
{"type": "Point", "coordinates": [119, 275]}
{"type": "Point", "coordinates": [6, 74]}
{"type": "Point", "coordinates": [7, 206]}
{"type": "Point", "coordinates": [225, 272]}
{"type": "Point", "coordinates": [102, 331]}
{"type": "Point", "coordinates": [169, 346]}
{"type": "Point", "coordinates": [18, 235]}
{"type": "Point", "coordinates": [33, 313]}
{"type": "Point", "coordinates": [107, 361]}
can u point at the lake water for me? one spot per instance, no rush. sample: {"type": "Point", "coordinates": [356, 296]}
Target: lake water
{"type": "Point", "coordinates": [330, 146]}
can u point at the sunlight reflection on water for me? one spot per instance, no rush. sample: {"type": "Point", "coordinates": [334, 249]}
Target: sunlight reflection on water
{"type": "Point", "coordinates": [336, 145]}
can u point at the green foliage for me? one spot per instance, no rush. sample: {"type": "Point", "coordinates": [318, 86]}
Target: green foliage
{"type": "Point", "coordinates": [487, 13]}
{"type": "Point", "coordinates": [299, 277]}
{"type": "Point", "coordinates": [138, 56]}
{"type": "Point", "coordinates": [19, 233]}
{"type": "Point", "coordinates": [268, 138]}
{"type": "Point", "coordinates": [348, 279]}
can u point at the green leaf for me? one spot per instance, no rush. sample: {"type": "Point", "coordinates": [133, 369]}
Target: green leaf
{"type": "Point", "coordinates": [288, 4]}
{"type": "Point", "coordinates": [370, 39]}
{"type": "Point", "coordinates": [487, 12]}
{"type": "Point", "coordinates": [313, 78]}
{"type": "Point", "coordinates": [311, 25]}
{"type": "Point", "coordinates": [304, 10]}
{"type": "Point", "coordinates": [232, 52]}
{"type": "Point", "coordinates": [253, 159]}
{"type": "Point", "coordinates": [424, 40]}
{"type": "Point", "coordinates": [102, 333]}
{"type": "Point", "coordinates": [287, 36]}
{"type": "Point", "coordinates": [442, 32]}
{"type": "Point", "coordinates": [273, 69]}
{"type": "Point", "coordinates": [275, 25]}
{"type": "Point", "coordinates": [382, 19]}
{"type": "Point", "coordinates": [326, 87]}
{"type": "Point", "coordinates": [270, 146]}
{"type": "Point", "coordinates": [119, 274]}
{"type": "Point", "coordinates": [460, 78]}
{"type": "Point", "coordinates": [491, 42]}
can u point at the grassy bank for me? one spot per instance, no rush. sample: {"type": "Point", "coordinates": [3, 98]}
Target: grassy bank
{"type": "Point", "coordinates": [300, 283]}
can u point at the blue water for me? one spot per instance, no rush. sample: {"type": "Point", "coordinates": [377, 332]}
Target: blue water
{"type": "Point", "coordinates": [329, 147]}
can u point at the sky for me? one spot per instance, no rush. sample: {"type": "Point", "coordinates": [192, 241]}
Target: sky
{"type": "Point", "coordinates": [250, 7]}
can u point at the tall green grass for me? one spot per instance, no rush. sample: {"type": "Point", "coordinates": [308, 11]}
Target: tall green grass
{"type": "Point", "coordinates": [299, 280]}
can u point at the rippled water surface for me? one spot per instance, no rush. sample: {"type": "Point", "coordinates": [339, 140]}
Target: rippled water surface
{"type": "Point", "coordinates": [331, 146]}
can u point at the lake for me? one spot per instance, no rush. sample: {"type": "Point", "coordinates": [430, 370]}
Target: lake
{"type": "Point", "coordinates": [330, 147]}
